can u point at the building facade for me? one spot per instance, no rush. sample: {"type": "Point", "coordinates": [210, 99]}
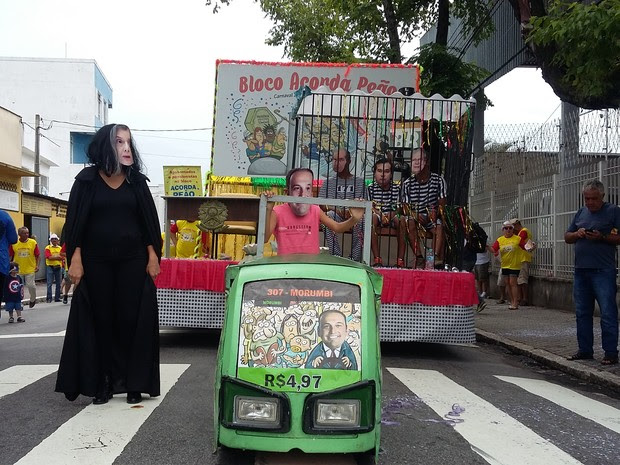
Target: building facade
{"type": "Point", "coordinates": [72, 97]}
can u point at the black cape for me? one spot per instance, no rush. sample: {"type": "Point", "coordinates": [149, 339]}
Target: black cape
{"type": "Point", "coordinates": [78, 372]}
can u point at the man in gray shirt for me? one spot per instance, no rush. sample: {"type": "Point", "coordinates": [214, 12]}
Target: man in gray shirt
{"type": "Point", "coordinates": [595, 233]}
{"type": "Point", "coordinates": [343, 185]}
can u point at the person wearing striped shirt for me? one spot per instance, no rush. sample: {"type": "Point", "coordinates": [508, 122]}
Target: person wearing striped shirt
{"type": "Point", "coordinates": [421, 195]}
{"type": "Point", "coordinates": [384, 195]}
{"type": "Point", "coordinates": [346, 186]}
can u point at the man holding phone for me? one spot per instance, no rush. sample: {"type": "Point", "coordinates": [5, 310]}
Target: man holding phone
{"type": "Point", "coordinates": [594, 231]}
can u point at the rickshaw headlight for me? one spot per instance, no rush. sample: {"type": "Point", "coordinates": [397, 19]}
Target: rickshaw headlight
{"type": "Point", "coordinates": [337, 413]}
{"type": "Point", "coordinates": [257, 411]}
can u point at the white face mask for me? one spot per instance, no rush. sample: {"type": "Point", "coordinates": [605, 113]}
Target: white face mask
{"type": "Point", "coordinates": [122, 144]}
{"type": "Point", "coordinates": [418, 163]}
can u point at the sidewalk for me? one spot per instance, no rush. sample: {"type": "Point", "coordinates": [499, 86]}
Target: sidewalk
{"type": "Point", "coordinates": [546, 335]}
{"type": "Point", "coordinates": [41, 294]}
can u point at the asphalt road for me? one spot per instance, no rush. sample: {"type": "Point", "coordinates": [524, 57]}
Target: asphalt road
{"type": "Point", "coordinates": [441, 404]}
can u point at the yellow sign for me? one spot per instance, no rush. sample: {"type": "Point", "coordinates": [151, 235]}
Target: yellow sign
{"type": "Point", "coordinates": [183, 181]}
{"type": "Point", "coordinates": [35, 206]}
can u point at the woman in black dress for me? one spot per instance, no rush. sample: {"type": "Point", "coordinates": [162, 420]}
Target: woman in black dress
{"type": "Point", "coordinates": [113, 246]}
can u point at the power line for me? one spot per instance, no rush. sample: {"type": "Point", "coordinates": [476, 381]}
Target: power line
{"type": "Point", "coordinates": [168, 155]}
{"type": "Point", "coordinates": [488, 17]}
{"type": "Point", "coordinates": [175, 138]}
{"type": "Point", "coordinates": [456, 33]}
{"type": "Point", "coordinates": [43, 135]}
{"type": "Point", "coordinates": [171, 130]}
{"type": "Point", "coordinates": [484, 81]}
{"type": "Point", "coordinates": [137, 130]}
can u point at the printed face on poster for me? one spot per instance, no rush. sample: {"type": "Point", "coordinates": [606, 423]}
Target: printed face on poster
{"type": "Point", "coordinates": [288, 325]}
{"type": "Point", "coordinates": [254, 102]}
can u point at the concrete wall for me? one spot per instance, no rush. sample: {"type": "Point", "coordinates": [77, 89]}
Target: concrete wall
{"type": "Point", "coordinates": [548, 292]}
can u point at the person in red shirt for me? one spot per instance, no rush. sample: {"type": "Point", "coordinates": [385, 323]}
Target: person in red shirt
{"type": "Point", "coordinates": [296, 225]}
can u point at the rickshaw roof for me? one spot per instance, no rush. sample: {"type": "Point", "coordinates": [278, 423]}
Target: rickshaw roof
{"type": "Point", "coordinates": [309, 259]}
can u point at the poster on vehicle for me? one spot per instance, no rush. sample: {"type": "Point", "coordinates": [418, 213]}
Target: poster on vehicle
{"type": "Point", "coordinates": [183, 181]}
{"type": "Point", "coordinates": [300, 334]}
{"type": "Point", "coordinates": [254, 101]}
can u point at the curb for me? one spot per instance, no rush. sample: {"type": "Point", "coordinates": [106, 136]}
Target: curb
{"type": "Point", "coordinates": [552, 360]}
{"type": "Point", "coordinates": [38, 300]}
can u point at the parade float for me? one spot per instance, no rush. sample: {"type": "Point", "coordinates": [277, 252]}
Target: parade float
{"type": "Point", "coordinates": [271, 117]}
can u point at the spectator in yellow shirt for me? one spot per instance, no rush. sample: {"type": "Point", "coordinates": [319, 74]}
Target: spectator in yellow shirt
{"type": "Point", "coordinates": [509, 247]}
{"type": "Point", "coordinates": [25, 252]}
{"type": "Point", "coordinates": [53, 267]}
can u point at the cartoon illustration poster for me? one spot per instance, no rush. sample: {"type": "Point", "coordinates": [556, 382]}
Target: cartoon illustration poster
{"type": "Point", "coordinates": [254, 101]}
{"type": "Point", "coordinates": [294, 332]}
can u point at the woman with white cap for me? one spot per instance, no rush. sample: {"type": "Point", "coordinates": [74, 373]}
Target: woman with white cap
{"type": "Point", "coordinates": [508, 247]}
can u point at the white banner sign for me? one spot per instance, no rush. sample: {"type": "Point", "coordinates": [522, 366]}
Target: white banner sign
{"type": "Point", "coordinates": [9, 200]}
{"type": "Point", "coordinates": [254, 101]}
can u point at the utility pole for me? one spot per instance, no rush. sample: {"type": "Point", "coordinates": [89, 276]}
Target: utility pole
{"type": "Point", "coordinates": [37, 155]}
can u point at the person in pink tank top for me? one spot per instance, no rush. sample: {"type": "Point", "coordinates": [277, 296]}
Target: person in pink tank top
{"type": "Point", "coordinates": [296, 225]}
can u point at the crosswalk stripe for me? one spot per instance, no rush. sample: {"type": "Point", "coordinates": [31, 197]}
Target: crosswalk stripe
{"type": "Point", "coordinates": [601, 413]}
{"type": "Point", "coordinates": [99, 433]}
{"type": "Point", "coordinates": [493, 434]}
{"type": "Point", "coordinates": [19, 376]}
{"type": "Point", "coordinates": [24, 335]}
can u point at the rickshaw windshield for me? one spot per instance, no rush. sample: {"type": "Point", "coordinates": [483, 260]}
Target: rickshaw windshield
{"type": "Point", "coordinates": [301, 335]}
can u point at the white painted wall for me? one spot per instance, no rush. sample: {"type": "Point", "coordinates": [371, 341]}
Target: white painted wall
{"type": "Point", "coordinates": [10, 138]}
{"type": "Point", "coordinates": [56, 89]}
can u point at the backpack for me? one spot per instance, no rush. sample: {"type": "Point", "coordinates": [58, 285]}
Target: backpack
{"type": "Point", "coordinates": [477, 238]}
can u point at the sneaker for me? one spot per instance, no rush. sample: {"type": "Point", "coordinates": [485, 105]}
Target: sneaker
{"type": "Point", "coordinates": [481, 306]}
{"type": "Point", "coordinates": [483, 295]}
{"type": "Point", "coordinates": [20, 320]}
{"type": "Point", "coordinates": [11, 320]}
{"type": "Point", "coordinates": [65, 299]}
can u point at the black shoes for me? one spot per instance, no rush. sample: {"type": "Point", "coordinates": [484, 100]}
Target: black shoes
{"type": "Point", "coordinates": [102, 398]}
{"type": "Point", "coordinates": [71, 396]}
{"type": "Point", "coordinates": [134, 397]}
{"type": "Point", "coordinates": [31, 304]}
{"type": "Point", "coordinates": [580, 356]}
{"type": "Point", "coordinates": [65, 299]}
{"type": "Point", "coordinates": [104, 392]}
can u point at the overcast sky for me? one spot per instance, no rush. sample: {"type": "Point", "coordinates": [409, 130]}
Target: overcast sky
{"type": "Point", "coordinates": [159, 57]}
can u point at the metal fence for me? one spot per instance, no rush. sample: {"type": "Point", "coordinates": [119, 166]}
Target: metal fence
{"type": "Point", "coordinates": [536, 173]}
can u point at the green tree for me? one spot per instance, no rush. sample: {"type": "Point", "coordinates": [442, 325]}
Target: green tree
{"type": "Point", "coordinates": [577, 46]}
{"type": "Point", "coordinates": [576, 43]}
{"type": "Point", "coordinates": [374, 31]}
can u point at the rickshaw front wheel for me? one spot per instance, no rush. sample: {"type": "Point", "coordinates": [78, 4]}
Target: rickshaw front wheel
{"type": "Point", "coordinates": [366, 458]}
{"type": "Point", "coordinates": [229, 456]}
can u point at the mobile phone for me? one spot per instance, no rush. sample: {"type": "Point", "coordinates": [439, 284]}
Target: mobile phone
{"type": "Point", "coordinates": [589, 230]}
